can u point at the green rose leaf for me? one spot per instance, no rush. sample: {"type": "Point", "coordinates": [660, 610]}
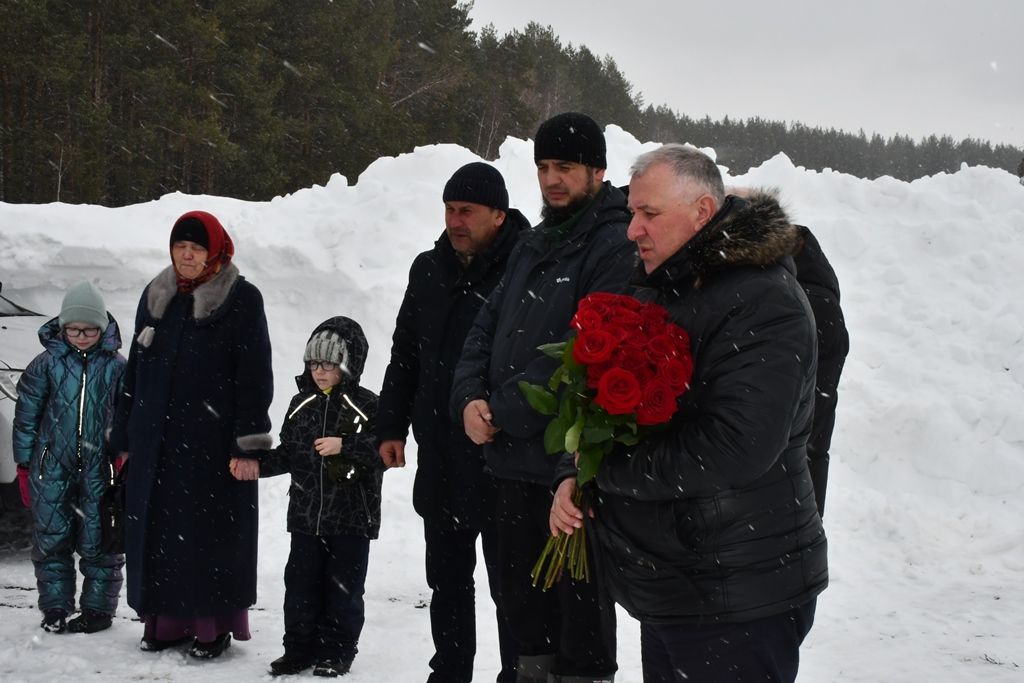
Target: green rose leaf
{"type": "Point", "coordinates": [553, 350]}
{"type": "Point", "coordinates": [539, 398]}
{"type": "Point", "coordinates": [590, 460]}
{"type": "Point", "coordinates": [572, 437]}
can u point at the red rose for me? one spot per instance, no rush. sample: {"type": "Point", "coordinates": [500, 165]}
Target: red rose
{"type": "Point", "coordinates": [625, 317]}
{"type": "Point", "coordinates": [676, 373]}
{"type": "Point", "coordinates": [680, 338]}
{"type": "Point", "coordinates": [607, 299]}
{"type": "Point", "coordinates": [618, 331]}
{"type": "Point", "coordinates": [587, 319]}
{"type": "Point", "coordinates": [661, 348]}
{"type": "Point", "coordinates": [657, 405]}
{"type": "Point", "coordinates": [593, 346]}
{"type": "Point", "coordinates": [618, 392]}
{"type": "Point", "coordinates": [634, 359]}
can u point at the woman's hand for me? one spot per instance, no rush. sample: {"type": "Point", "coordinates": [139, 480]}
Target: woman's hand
{"type": "Point", "coordinates": [244, 469]}
{"type": "Point", "coordinates": [328, 445]}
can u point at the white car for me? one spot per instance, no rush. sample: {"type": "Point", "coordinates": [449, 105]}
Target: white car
{"type": "Point", "coordinates": [19, 344]}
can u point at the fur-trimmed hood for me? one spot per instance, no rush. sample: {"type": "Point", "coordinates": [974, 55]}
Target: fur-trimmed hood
{"type": "Point", "coordinates": [752, 231]}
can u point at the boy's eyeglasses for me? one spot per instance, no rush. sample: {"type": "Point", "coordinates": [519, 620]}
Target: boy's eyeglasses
{"type": "Point", "coordinates": [321, 365]}
{"type": "Point", "coordinates": [87, 332]}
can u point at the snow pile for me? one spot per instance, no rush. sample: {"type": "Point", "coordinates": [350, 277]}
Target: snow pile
{"type": "Point", "coordinates": [925, 503]}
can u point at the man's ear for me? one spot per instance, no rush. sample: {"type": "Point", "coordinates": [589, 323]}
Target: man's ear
{"type": "Point", "coordinates": [706, 209]}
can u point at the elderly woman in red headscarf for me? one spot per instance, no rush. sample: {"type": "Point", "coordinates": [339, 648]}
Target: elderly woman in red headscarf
{"type": "Point", "coordinates": [193, 422]}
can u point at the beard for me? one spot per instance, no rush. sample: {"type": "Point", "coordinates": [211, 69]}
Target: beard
{"type": "Point", "coordinates": [556, 215]}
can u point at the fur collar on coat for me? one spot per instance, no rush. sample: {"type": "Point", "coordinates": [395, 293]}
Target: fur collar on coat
{"type": "Point", "coordinates": [208, 297]}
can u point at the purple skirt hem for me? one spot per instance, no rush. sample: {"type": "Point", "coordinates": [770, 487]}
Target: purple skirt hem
{"type": "Point", "coordinates": [204, 629]}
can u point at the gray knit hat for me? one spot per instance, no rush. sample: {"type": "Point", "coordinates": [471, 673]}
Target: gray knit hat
{"type": "Point", "coordinates": [328, 347]}
{"type": "Point", "coordinates": [84, 304]}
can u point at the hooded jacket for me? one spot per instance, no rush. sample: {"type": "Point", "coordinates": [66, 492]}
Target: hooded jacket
{"type": "Point", "coordinates": [714, 518]}
{"type": "Point", "coordinates": [440, 304]}
{"type": "Point", "coordinates": [337, 494]}
{"type": "Point", "coordinates": [62, 420]}
{"type": "Point", "coordinates": [533, 305]}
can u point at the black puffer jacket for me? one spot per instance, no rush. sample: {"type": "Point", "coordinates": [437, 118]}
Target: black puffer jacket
{"type": "Point", "coordinates": [714, 519]}
{"type": "Point", "coordinates": [532, 306]}
{"type": "Point", "coordinates": [440, 303]}
{"type": "Point", "coordinates": [821, 285]}
{"type": "Point", "coordinates": [337, 494]}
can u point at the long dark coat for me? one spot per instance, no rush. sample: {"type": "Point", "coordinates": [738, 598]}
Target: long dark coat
{"type": "Point", "coordinates": [197, 389]}
{"type": "Point", "coordinates": [714, 519]}
{"type": "Point", "coordinates": [440, 303]}
{"type": "Point", "coordinates": [337, 494]}
{"type": "Point", "coordinates": [533, 305]}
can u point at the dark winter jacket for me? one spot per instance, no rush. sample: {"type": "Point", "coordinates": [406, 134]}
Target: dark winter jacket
{"type": "Point", "coordinates": [197, 389]}
{"type": "Point", "coordinates": [440, 304]}
{"type": "Point", "coordinates": [337, 494]}
{"type": "Point", "coordinates": [821, 285]}
{"type": "Point", "coordinates": [714, 519]}
{"type": "Point", "coordinates": [61, 422]}
{"type": "Point", "coordinates": [533, 305]}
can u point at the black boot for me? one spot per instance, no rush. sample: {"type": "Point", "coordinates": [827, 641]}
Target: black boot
{"type": "Point", "coordinates": [154, 645]}
{"type": "Point", "coordinates": [90, 621]}
{"type": "Point", "coordinates": [54, 621]}
{"type": "Point", "coordinates": [332, 667]}
{"type": "Point", "coordinates": [291, 664]}
{"type": "Point", "coordinates": [210, 650]}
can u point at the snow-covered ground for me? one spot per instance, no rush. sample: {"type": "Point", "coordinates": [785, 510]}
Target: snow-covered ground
{"type": "Point", "coordinates": [925, 513]}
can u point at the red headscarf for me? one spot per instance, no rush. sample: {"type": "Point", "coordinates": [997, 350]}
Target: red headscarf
{"type": "Point", "coordinates": [218, 245]}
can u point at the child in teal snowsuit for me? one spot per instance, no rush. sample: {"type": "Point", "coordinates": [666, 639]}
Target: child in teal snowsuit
{"type": "Point", "coordinates": [65, 405]}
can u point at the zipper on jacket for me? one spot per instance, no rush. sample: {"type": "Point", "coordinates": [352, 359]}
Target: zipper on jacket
{"type": "Point", "coordinates": [366, 507]}
{"type": "Point", "coordinates": [81, 412]}
{"type": "Point", "coordinates": [323, 432]}
{"type": "Point", "coordinates": [42, 460]}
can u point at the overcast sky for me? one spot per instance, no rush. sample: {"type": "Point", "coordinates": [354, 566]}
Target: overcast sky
{"type": "Point", "coordinates": [889, 66]}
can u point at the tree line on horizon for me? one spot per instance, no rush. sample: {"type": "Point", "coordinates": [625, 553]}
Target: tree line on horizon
{"type": "Point", "coordinates": [114, 102]}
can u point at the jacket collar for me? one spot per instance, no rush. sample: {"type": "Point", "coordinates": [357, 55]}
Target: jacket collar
{"type": "Point", "coordinates": [609, 206]}
{"type": "Point", "coordinates": [207, 297]}
{"type": "Point", "coordinates": [745, 232]}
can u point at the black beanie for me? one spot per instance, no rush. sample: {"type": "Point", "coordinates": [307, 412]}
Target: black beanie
{"type": "Point", "coordinates": [191, 229]}
{"type": "Point", "coordinates": [478, 183]}
{"type": "Point", "coordinates": [571, 137]}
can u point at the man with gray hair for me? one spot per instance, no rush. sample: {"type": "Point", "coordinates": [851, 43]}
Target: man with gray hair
{"type": "Point", "coordinates": [708, 528]}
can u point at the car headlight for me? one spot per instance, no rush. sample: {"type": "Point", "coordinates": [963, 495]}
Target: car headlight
{"type": "Point", "coordinates": [9, 384]}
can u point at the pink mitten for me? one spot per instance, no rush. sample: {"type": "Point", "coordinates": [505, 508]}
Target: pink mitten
{"type": "Point", "coordinates": [23, 485]}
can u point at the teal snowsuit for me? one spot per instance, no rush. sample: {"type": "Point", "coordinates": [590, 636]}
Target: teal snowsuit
{"type": "Point", "coordinates": [65, 406]}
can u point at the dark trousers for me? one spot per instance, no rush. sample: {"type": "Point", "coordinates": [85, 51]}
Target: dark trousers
{"type": "Point", "coordinates": [575, 621]}
{"type": "Point", "coordinates": [765, 650]}
{"type": "Point", "coordinates": [323, 595]}
{"type": "Point", "coordinates": [450, 562]}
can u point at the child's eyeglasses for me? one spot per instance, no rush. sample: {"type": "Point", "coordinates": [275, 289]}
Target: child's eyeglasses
{"type": "Point", "coordinates": [87, 332]}
{"type": "Point", "coordinates": [321, 365]}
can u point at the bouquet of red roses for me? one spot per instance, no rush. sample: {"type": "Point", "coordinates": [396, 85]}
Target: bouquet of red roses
{"type": "Point", "coordinates": [622, 372]}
